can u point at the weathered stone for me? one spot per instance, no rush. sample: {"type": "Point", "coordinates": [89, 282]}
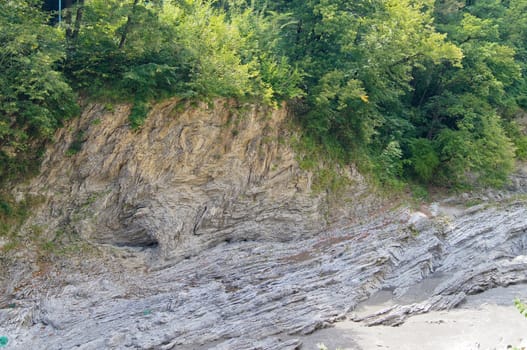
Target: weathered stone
{"type": "Point", "coordinates": [189, 179]}
{"type": "Point", "coordinates": [204, 239]}
{"type": "Point", "coordinates": [249, 295]}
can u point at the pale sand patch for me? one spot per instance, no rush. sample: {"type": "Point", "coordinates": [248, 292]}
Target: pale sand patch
{"type": "Point", "coordinates": [487, 321]}
{"type": "Point", "coordinates": [490, 327]}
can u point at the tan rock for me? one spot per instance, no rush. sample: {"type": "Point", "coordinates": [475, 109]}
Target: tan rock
{"type": "Point", "coordinates": [190, 178]}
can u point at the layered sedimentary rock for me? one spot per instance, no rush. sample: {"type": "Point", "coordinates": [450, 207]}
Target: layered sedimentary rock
{"type": "Point", "coordinates": [191, 177]}
{"type": "Point", "coordinates": [205, 234]}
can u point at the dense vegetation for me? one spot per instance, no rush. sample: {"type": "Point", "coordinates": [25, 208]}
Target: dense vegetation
{"type": "Point", "coordinates": [413, 90]}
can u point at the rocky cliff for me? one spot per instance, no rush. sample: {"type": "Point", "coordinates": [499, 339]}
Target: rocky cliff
{"type": "Point", "coordinates": [190, 178]}
{"type": "Point", "coordinates": [204, 233]}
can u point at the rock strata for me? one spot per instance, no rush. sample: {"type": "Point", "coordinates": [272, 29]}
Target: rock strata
{"type": "Point", "coordinates": [202, 239]}
{"type": "Point", "coordinates": [266, 295]}
{"type": "Point", "coordinates": [190, 178]}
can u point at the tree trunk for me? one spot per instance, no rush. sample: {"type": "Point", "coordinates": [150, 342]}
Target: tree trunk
{"type": "Point", "coordinates": [78, 19]}
{"type": "Point", "coordinates": [67, 22]}
{"type": "Point", "coordinates": [128, 25]}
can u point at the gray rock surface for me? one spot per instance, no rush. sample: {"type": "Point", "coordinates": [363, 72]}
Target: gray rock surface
{"type": "Point", "coordinates": [203, 238]}
{"type": "Point", "coordinates": [267, 295]}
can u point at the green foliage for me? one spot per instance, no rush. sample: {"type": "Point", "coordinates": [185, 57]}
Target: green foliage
{"type": "Point", "coordinates": [424, 160]}
{"type": "Point", "coordinates": [518, 137]}
{"type": "Point", "coordinates": [359, 59]}
{"type": "Point", "coordinates": [138, 114]}
{"type": "Point", "coordinates": [389, 164]}
{"type": "Point", "coordinates": [124, 48]}
{"type": "Point", "coordinates": [522, 308]}
{"type": "Point", "coordinates": [466, 112]}
{"type": "Point", "coordinates": [273, 77]}
{"type": "Point", "coordinates": [34, 98]}
{"type": "Point", "coordinates": [479, 151]}
{"type": "Point", "coordinates": [76, 145]}
{"type": "Point", "coordinates": [147, 50]}
{"type": "Point", "coordinates": [419, 193]}
{"type": "Point", "coordinates": [13, 214]}
{"type": "Point", "coordinates": [411, 90]}
{"type": "Point", "coordinates": [214, 48]}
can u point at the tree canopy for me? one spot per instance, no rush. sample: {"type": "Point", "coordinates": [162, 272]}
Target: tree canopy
{"type": "Point", "coordinates": [413, 90]}
{"type": "Point", "coordinates": [34, 96]}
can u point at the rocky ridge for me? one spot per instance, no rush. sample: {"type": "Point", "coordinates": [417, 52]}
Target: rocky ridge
{"type": "Point", "coordinates": [191, 256]}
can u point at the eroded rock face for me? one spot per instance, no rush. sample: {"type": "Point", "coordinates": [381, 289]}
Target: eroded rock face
{"type": "Point", "coordinates": [222, 193]}
{"type": "Point", "coordinates": [267, 295]}
{"type": "Point", "coordinates": [190, 178]}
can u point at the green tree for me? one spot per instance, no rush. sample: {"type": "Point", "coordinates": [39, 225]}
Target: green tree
{"type": "Point", "coordinates": [122, 48]}
{"type": "Point", "coordinates": [421, 89]}
{"type": "Point", "coordinates": [359, 59]}
{"type": "Point", "coordinates": [34, 97]}
{"type": "Point", "coordinates": [148, 49]}
{"type": "Point", "coordinates": [464, 111]}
